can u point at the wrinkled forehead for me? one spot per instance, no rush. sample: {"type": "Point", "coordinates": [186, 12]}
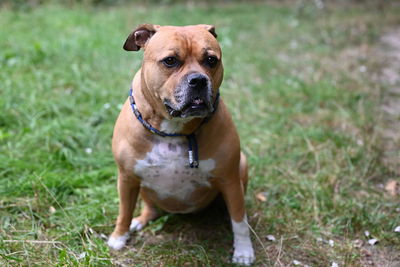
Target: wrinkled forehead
{"type": "Point", "coordinates": [182, 41]}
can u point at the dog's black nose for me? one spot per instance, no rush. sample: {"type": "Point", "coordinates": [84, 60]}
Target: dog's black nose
{"type": "Point", "coordinates": [197, 80]}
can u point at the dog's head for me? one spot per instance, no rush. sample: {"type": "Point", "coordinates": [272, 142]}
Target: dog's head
{"type": "Point", "coordinates": [181, 68]}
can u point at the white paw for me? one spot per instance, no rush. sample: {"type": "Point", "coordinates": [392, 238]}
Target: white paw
{"type": "Point", "coordinates": [135, 226]}
{"type": "Point", "coordinates": [118, 242]}
{"type": "Point", "coordinates": [243, 255]}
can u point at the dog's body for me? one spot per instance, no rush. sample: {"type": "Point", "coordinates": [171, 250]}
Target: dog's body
{"type": "Point", "coordinates": [175, 90]}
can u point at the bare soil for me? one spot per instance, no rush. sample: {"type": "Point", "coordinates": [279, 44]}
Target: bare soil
{"type": "Point", "coordinates": [390, 104]}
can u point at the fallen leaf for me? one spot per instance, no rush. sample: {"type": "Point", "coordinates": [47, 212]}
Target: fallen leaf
{"type": "Point", "coordinates": [261, 196]}
{"type": "Point", "coordinates": [392, 187]}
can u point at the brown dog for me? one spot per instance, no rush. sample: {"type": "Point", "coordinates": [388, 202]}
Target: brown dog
{"type": "Point", "coordinates": [176, 93]}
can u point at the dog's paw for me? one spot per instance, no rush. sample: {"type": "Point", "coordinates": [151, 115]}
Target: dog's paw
{"type": "Point", "coordinates": [136, 225]}
{"type": "Point", "coordinates": [118, 242]}
{"type": "Point", "coordinates": [243, 255]}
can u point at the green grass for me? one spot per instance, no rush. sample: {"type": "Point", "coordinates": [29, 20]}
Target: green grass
{"type": "Point", "coordinates": [305, 113]}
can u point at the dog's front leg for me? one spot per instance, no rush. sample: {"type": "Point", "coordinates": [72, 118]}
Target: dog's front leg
{"type": "Point", "coordinates": [233, 193]}
{"type": "Point", "coordinates": [128, 190]}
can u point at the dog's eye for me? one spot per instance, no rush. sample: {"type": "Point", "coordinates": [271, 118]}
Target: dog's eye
{"type": "Point", "coordinates": [211, 61]}
{"type": "Point", "coordinates": [170, 62]}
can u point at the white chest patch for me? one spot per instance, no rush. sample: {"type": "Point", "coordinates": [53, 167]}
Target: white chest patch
{"type": "Point", "coordinates": [165, 169]}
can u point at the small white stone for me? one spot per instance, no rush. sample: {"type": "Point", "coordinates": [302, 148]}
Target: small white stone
{"type": "Point", "coordinates": [52, 209]}
{"type": "Point", "coordinates": [397, 229]}
{"type": "Point", "coordinates": [366, 233]}
{"type": "Point", "coordinates": [362, 68]}
{"type": "Point", "coordinates": [82, 255]}
{"type": "Point", "coordinates": [373, 241]}
{"type": "Point", "coordinates": [331, 242]}
{"type": "Point", "coordinates": [271, 238]}
{"type": "Point", "coordinates": [296, 262]}
{"type": "Point", "coordinates": [88, 150]}
{"type": "Point", "coordinates": [334, 264]}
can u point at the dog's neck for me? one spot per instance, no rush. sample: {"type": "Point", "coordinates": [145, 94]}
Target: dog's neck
{"type": "Point", "coordinates": [150, 107]}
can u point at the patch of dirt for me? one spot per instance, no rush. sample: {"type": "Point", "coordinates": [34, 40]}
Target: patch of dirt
{"type": "Point", "coordinates": [209, 229]}
{"type": "Point", "coordinates": [390, 106]}
{"type": "Point", "coordinates": [388, 130]}
{"type": "Point", "coordinates": [371, 256]}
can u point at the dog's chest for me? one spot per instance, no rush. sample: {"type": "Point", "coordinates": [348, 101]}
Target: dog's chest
{"type": "Point", "coordinates": [165, 169]}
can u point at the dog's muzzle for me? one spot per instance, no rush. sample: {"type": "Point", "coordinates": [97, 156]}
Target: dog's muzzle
{"type": "Point", "coordinates": [193, 97]}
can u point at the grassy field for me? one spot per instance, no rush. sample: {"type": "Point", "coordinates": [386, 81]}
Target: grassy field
{"type": "Point", "coordinates": [301, 84]}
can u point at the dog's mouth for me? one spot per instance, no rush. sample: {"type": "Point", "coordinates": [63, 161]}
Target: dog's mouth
{"type": "Point", "coordinates": [195, 104]}
{"type": "Point", "coordinates": [196, 107]}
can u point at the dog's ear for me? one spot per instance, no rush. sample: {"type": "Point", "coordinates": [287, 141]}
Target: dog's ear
{"type": "Point", "coordinates": [138, 37]}
{"type": "Point", "coordinates": [210, 28]}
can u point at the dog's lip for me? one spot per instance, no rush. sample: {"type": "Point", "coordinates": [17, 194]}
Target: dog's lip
{"type": "Point", "coordinates": [196, 104]}
{"type": "Point", "coordinates": [172, 111]}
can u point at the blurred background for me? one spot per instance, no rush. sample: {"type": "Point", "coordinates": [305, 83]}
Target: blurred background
{"type": "Point", "coordinates": [312, 85]}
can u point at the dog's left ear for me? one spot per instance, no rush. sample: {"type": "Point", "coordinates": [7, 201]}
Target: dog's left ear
{"type": "Point", "coordinates": [139, 37]}
{"type": "Point", "coordinates": [210, 28]}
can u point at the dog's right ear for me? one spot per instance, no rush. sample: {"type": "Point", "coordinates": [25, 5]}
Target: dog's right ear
{"type": "Point", "coordinates": [139, 37]}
